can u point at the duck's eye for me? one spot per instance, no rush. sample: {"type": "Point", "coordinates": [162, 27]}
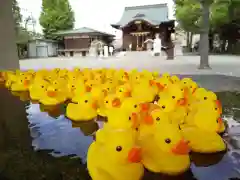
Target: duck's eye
{"type": "Point", "coordinates": [179, 127]}
{"type": "Point", "coordinates": [158, 118]}
{"type": "Point", "coordinates": [173, 97]}
{"type": "Point", "coordinates": [55, 90]}
{"type": "Point", "coordinates": [21, 81]}
{"type": "Point", "coordinates": [73, 86]}
{"type": "Point", "coordinates": [119, 148]}
{"type": "Point", "coordinates": [136, 77]}
{"type": "Point", "coordinates": [190, 86]}
{"type": "Point", "coordinates": [42, 86]}
{"type": "Point", "coordinates": [91, 85]}
{"type": "Point", "coordinates": [135, 106]}
{"type": "Point", "coordinates": [120, 90]}
{"type": "Point", "coordinates": [205, 98]}
{"type": "Point", "coordinates": [217, 120]}
{"type": "Point", "coordinates": [181, 89]}
{"type": "Point", "coordinates": [106, 101]}
{"type": "Point", "coordinates": [86, 101]}
{"type": "Point", "coordinates": [163, 107]}
{"type": "Point", "coordinates": [55, 82]}
{"type": "Point", "coordinates": [184, 82]}
{"type": "Point", "coordinates": [165, 84]}
{"type": "Point", "coordinates": [108, 89]}
{"type": "Point", "coordinates": [25, 77]}
{"type": "Point", "coordinates": [129, 118]}
{"type": "Point", "coordinates": [168, 140]}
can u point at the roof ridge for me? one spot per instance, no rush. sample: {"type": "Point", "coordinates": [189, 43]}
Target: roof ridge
{"type": "Point", "coordinates": [146, 6]}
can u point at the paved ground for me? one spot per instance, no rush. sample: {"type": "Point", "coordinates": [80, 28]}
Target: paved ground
{"type": "Point", "coordinates": [226, 65]}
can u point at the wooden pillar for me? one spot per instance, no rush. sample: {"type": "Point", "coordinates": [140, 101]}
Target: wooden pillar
{"type": "Point", "coordinates": [8, 48]}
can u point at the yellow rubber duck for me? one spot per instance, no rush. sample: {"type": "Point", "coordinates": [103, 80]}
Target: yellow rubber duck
{"type": "Point", "coordinates": [212, 122]}
{"type": "Point", "coordinates": [175, 79]}
{"type": "Point", "coordinates": [53, 96]}
{"type": "Point", "coordinates": [122, 160]}
{"type": "Point", "coordinates": [165, 151]}
{"type": "Point", "coordinates": [144, 92]}
{"type": "Point", "coordinates": [84, 110]}
{"type": "Point", "coordinates": [176, 112]}
{"type": "Point", "coordinates": [123, 91]}
{"type": "Point", "coordinates": [110, 101]}
{"type": "Point", "coordinates": [149, 121]}
{"type": "Point", "coordinates": [203, 141]}
{"type": "Point", "coordinates": [120, 119]}
{"type": "Point", "coordinates": [38, 89]}
{"type": "Point", "coordinates": [21, 84]}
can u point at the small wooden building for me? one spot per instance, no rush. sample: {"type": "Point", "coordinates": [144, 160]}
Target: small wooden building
{"type": "Point", "coordinates": [78, 41]}
{"type": "Point", "coordinates": [139, 23]}
{"type": "Point", "coordinates": [42, 48]}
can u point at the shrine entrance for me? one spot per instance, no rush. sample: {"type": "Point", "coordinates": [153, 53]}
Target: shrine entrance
{"type": "Point", "coordinates": [138, 40]}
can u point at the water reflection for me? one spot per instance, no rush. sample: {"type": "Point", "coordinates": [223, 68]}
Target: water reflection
{"type": "Point", "coordinates": [57, 134]}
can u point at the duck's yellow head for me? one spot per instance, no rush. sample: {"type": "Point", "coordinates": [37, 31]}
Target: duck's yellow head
{"type": "Point", "coordinates": [87, 101]}
{"type": "Point", "coordinates": [166, 75]}
{"type": "Point", "coordinates": [178, 93]}
{"type": "Point", "coordinates": [175, 79]}
{"type": "Point", "coordinates": [209, 120]}
{"type": "Point", "coordinates": [166, 104]}
{"type": "Point", "coordinates": [186, 82]}
{"type": "Point", "coordinates": [156, 117]}
{"type": "Point", "coordinates": [131, 104]}
{"type": "Point", "coordinates": [119, 145]}
{"type": "Point", "coordinates": [112, 100]}
{"type": "Point", "coordinates": [123, 91]}
{"type": "Point", "coordinates": [170, 139]}
{"type": "Point", "coordinates": [52, 91]}
{"type": "Point", "coordinates": [121, 119]}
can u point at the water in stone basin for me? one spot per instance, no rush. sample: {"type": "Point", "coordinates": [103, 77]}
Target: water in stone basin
{"type": "Point", "coordinates": [40, 143]}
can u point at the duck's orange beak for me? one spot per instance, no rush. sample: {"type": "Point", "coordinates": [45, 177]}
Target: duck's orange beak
{"type": "Point", "coordinates": [116, 102]}
{"type": "Point", "coordinates": [144, 107]}
{"type": "Point", "coordinates": [94, 105]}
{"type": "Point", "coordinates": [152, 82]}
{"type": "Point", "coordinates": [160, 86]}
{"type": "Point", "coordinates": [88, 88]}
{"type": "Point", "coordinates": [219, 105]}
{"type": "Point", "coordinates": [127, 94]}
{"type": "Point", "coordinates": [51, 93]}
{"type": "Point", "coordinates": [26, 82]}
{"type": "Point", "coordinates": [134, 120]}
{"type": "Point", "coordinates": [181, 148]}
{"type": "Point", "coordinates": [134, 155]}
{"type": "Point", "coordinates": [148, 120]}
{"type": "Point", "coordinates": [220, 124]}
{"type": "Point", "coordinates": [182, 101]}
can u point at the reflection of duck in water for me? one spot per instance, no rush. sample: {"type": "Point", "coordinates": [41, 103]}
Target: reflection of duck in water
{"type": "Point", "coordinates": [87, 128]}
{"type": "Point", "coordinates": [57, 135]}
{"type": "Point", "coordinates": [53, 111]}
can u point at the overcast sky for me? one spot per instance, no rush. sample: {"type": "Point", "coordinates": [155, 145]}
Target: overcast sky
{"type": "Point", "coordinates": [92, 13]}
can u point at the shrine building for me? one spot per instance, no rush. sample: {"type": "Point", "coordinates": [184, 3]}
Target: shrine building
{"type": "Point", "coordinates": [79, 41]}
{"type": "Point", "coordinates": [140, 23]}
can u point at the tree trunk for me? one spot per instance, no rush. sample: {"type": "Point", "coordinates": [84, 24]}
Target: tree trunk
{"type": "Point", "coordinates": [204, 38]}
{"type": "Point", "coordinates": [190, 42]}
{"type": "Point", "coordinates": [8, 49]}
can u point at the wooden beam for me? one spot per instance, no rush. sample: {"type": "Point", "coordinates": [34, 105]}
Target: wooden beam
{"type": "Point", "coordinates": [8, 48]}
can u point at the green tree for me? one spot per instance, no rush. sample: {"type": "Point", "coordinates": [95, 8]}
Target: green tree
{"type": "Point", "coordinates": [56, 15]}
{"type": "Point", "coordinates": [16, 15]}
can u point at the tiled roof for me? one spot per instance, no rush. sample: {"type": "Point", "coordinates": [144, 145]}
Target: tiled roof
{"type": "Point", "coordinates": [154, 14]}
{"type": "Point", "coordinates": [83, 30]}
